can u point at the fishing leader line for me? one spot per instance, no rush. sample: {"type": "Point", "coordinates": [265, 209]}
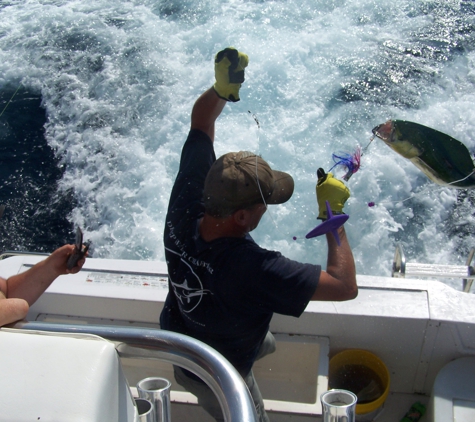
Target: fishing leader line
{"type": "Point", "coordinates": [3, 206]}
{"type": "Point", "coordinates": [422, 192]}
{"type": "Point", "coordinates": [10, 100]}
{"type": "Point", "coordinates": [256, 120]}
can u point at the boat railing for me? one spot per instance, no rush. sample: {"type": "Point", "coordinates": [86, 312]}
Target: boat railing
{"type": "Point", "coordinates": [402, 268]}
{"type": "Point", "coordinates": [8, 254]}
{"type": "Point", "coordinates": [195, 356]}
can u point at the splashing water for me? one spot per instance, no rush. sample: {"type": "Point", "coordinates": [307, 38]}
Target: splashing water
{"type": "Point", "coordinates": [117, 80]}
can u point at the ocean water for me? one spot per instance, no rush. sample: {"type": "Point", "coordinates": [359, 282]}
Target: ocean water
{"type": "Point", "coordinates": [95, 101]}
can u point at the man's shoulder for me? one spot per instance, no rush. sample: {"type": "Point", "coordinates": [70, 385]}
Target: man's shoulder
{"type": "Point", "coordinates": [244, 253]}
{"type": "Point", "coordinates": [248, 255]}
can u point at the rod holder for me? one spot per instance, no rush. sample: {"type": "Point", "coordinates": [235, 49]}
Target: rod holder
{"type": "Point", "coordinates": [157, 390]}
{"type": "Point", "coordinates": [338, 406]}
{"type": "Point", "coordinates": [145, 410]}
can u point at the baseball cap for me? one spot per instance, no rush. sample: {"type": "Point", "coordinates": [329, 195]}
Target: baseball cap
{"type": "Point", "coordinates": [241, 179]}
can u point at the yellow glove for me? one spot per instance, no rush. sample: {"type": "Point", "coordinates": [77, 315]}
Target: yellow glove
{"type": "Point", "coordinates": [332, 190]}
{"type": "Point", "coordinates": [229, 67]}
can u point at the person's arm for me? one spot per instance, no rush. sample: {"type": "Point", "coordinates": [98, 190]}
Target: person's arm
{"type": "Point", "coordinates": [31, 284]}
{"type": "Point", "coordinates": [205, 111]}
{"type": "Point", "coordinates": [19, 292]}
{"type": "Point", "coordinates": [11, 310]}
{"type": "Point", "coordinates": [338, 282]}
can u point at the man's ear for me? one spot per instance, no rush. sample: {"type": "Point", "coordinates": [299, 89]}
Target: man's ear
{"type": "Point", "coordinates": [241, 217]}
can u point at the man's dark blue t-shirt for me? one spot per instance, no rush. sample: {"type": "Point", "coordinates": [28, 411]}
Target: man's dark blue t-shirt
{"type": "Point", "coordinates": [224, 292]}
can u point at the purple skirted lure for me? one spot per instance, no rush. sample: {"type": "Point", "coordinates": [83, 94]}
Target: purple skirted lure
{"type": "Point", "coordinates": [330, 225]}
{"type": "Point", "coordinates": [352, 162]}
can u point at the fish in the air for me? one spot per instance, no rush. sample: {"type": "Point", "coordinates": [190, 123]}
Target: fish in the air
{"type": "Point", "coordinates": [443, 159]}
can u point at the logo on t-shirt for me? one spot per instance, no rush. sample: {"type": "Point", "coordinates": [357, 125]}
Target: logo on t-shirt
{"type": "Point", "coordinates": [189, 297]}
{"type": "Point", "coordinates": [191, 291]}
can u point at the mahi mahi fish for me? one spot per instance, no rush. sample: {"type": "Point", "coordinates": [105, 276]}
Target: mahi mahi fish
{"type": "Point", "coordinates": [443, 159]}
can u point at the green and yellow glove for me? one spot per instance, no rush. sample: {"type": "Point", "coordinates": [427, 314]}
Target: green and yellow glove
{"type": "Point", "coordinates": [332, 190]}
{"type": "Point", "coordinates": [229, 67]}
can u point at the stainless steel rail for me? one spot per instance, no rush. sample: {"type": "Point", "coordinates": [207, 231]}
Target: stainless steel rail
{"type": "Point", "coordinates": [177, 349]}
{"type": "Point", "coordinates": [8, 254]}
{"type": "Point", "coordinates": [402, 268]}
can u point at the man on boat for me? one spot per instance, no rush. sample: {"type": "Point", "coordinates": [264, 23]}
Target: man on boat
{"type": "Point", "coordinates": [20, 291]}
{"type": "Point", "coordinates": [223, 287]}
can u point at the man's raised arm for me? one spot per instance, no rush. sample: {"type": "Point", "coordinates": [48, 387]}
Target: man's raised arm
{"type": "Point", "coordinates": [338, 282]}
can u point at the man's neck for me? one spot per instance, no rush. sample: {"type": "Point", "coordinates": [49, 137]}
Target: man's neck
{"type": "Point", "coordinates": [212, 228]}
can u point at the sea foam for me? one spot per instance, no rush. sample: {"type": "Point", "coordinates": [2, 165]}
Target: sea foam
{"type": "Point", "coordinates": [118, 79]}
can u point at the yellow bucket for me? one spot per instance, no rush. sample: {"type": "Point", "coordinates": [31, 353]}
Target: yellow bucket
{"type": "Point", "coordinates": [363, 371]}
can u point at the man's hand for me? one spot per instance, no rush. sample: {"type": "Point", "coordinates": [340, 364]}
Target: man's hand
{"type": "Point", "coordinates": [332, 190]}
{"type": "Point", "coordinates": [57, 261]}
{"type": "Point", "coordinates": [229, 67]}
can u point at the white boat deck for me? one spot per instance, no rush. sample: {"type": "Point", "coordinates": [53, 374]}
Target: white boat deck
{"type": "Point", "coordinates": [394, 409]}
{"type": "Point", "coordinates": [414, 326]}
